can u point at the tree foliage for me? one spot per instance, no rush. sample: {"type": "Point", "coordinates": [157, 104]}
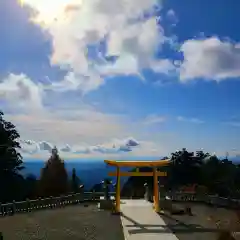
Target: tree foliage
{"type": "Point", "coordinates": [10, 161]}
{"type": "Point", "coordinates": [220, 177]}
{"type": "Point", "coordinates": [75, 181]}
{"type": "Point", "coordinates": [54, 178]}
{"type": "Point", "coordinates": [30, 186]}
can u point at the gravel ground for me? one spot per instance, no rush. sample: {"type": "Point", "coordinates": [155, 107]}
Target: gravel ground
{"type": "Point", "coordinates": [199, 226]}
{"type": "Point", "coordinates": [72, 222]}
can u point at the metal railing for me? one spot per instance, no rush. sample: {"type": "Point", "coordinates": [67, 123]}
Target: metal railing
{"type": "Point", "coordinates": [208, 199]}
{"type": "Point", "coordinates": [78, 198]}
{"type": "Point", "coordinates": [194, 197]}
{"type": "Point", "coordinates": [49, 203]}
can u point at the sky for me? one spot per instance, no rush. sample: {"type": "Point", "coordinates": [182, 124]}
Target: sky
{"type": "Point", "coordinates": [121, 79]}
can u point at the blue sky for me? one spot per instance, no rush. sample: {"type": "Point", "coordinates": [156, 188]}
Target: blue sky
{"type": "Point", "coordinates": [112, 79]}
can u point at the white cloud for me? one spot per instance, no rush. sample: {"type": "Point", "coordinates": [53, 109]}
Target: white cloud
{"type": "Point", "coordinates": [30, 147]}
{"type": "Point", "coordinates": [73, 81]}
{"type": "Point", "coordinates": [125, 65]}
{"type": "Point", "coordinates": [89, 134]}
{"type": "Point", "coordinates": [21, 92]}
{"type": "Point", "coordinates": [164, 66]}
{"type": "Point", "coordinates": [74, 25]}
{"type": "Point", "coordinates": [115, 147]}
{"type": "Point", "coordinates": [45, 146]}
{"type": "Point", "coordinates": [78, 126]}
{"type": "Point", "coordinates": [210, 58]}
{"type": "Point", "coordinates": [66, 148]}
{"type": "Point", "coordinates": [171, 15]}
{"type": "Point", "coordinates": [82, 129]}
{"type": "Point", "coordinates": [191, 120]}
{"type": "Point", "coordinates": [154, 119]}
{"type": "Point", "coordinates": [233, 123]}
{"type": "Point", "coordinates": [83, 132]}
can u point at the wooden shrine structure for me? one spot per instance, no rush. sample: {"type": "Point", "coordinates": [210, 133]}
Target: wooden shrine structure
{"type": "Point", "coordinates": [155, 173]}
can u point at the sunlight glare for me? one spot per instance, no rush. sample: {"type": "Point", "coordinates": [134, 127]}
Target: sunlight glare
{"type": "Point", "coordinates": [49, 11]}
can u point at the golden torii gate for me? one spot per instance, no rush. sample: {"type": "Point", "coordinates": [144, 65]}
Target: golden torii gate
{"type": "Point", "coordinates": [155, 174]}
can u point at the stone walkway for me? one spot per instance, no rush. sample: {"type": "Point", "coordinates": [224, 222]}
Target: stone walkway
{"type": "Point", "coordinates": [140, 222]}
{"type": "Point", "coordinates": [69, 223]}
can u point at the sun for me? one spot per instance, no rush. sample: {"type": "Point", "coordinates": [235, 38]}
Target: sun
{"type": "Point", "coordinates": [49, 11]}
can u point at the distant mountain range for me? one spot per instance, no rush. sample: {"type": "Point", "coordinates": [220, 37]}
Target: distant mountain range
{"type": "Point", "coordinates": [90, 173]}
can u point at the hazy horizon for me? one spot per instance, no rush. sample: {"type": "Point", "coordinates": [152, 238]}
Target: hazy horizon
{"type": "Point", "coordinates": [90, 160]}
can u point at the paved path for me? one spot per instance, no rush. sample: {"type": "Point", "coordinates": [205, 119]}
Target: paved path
{"type": "Point", "coordinates": [199, 226]}
{"type": "Point", "coordinates": [68, 223]}
{"type": "Point", "coordinates": [140, 222]}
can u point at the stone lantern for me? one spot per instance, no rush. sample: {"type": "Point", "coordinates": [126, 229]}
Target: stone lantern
{"type": "Point", "coordinates": [106, 183]}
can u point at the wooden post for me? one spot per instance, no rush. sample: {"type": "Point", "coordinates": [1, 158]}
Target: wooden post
{"type": "Point", "coordinates": [118, 191]}
{"type": "Point", "coordinates": [155, 190]}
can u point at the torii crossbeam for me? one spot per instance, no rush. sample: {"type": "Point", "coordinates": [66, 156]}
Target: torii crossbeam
{"type": "Point", "coordinates": [155, 174]}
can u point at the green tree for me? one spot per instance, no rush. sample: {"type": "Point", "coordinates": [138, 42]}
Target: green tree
{"type": "Point", "coordinates": [75, 181]}
{"type": "Point", "coordinates": [54, 178]}
{"type": "Point", "coordinates": [10, 161]}
{"type": "Point", "coordinates": [219, 176]}
{"type": "Point", "coordinates": [237, 181]}
{"type": "Point", "coordinates": [226, 181]}
{"type": "Point", "coordinates": [183, 168]}
{"type": "Point", "coordinates": [30, 186]}
{"type": "Point", "coordinates": [211, 173]}
{"type": "Point", "coordinates": [201, 156]}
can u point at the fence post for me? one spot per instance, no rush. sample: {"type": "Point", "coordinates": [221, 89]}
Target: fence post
{"type": "Point", "coordinates": [13, 207]}
{"type": "Point", "coordinates": [38, 202]}
{"type": "Point", "coordinates": [28, 205]}
{"type": "Point", "coordinates": [51, 201]}
{"type": "Point", "coordinates": [81, 197]}
{"type": "Point", "coordinates": [93, 194]}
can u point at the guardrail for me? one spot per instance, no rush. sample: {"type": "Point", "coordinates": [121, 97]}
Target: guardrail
{"type": "Point", "coordinates": [208, 199]}
{"type": "Point", "coordinates": [50, 202]}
